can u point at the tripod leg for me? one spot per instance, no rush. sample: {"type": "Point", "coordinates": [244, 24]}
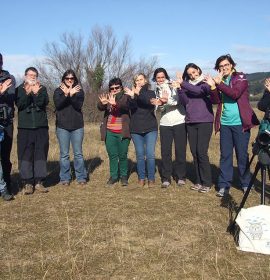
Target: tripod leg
{"type": "Point", "coordinates": [252, 180]}
{"type": "Point", "coordinates": [263, 173]}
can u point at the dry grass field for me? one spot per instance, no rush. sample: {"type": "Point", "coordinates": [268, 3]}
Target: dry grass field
{"type": "Point", "coordinates": [95, 232]}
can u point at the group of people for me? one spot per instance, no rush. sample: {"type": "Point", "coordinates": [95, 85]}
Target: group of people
{"type": "Point", "coordinates": [186, 114]}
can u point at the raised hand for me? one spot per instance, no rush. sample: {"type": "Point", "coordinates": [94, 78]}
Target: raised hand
{"type": "Point", "coordinates": [267, 84]}
{"type": "Point", "coordinates": [111, 99]}
{"type": "Point", "coordinates": [209, 80]}
{"type": "Point", "coordinates": [74, 90]}
{"type": "Point", "coordinates": [129, 92]}
{"type": "Point", "coordinates": [5, 85]}
{"type": "Point", "coordinates": [36, 87]}
{"type": "Point", "coordinates": [156, 101]}
{"type": "Point", "coordinates": [218, 78]}
{"type": "Point", "coordinates": [65, 89]}
{"type": "Point", "coordinates": [28, 88]}
{"type": "Point", "coordinates": [136, 89]}
{"type": "Point", "coordinates": [103, 98]}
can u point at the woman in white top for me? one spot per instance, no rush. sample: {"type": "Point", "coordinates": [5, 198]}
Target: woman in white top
{"type": "Point", "coordinates": [172, 128]}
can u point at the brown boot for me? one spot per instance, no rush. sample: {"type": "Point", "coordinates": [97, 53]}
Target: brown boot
{"type": "Point", "coordinates": [40, 188]}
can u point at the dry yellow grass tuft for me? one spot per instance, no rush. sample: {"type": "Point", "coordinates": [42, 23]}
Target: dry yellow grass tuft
{"type": "Point", "coordinates": [94, 232]}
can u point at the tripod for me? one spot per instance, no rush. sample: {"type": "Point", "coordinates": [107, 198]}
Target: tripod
{"type": "Point", "coordinates": [263, 165]}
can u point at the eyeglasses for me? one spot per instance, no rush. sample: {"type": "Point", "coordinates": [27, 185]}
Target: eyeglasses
{"type": "Point", "coordinates": [115, 88]}
{"type": "Point", "coordinates": [224, 65]}
{"type": "Point", "coordinates": [69, 78]}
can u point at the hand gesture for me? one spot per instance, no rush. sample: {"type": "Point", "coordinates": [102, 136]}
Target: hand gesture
{"type": "Point", "coordinates": [164, 97]}
{"type": "Point", "coordinates": [209, 80]}
{"type": "Point", "coordinates": [36, 87]}
{"type": "Point", "coordinates": [103, 98]}
{"type": "Point", "coordinates": [65, 89]}
{"type": "Point", "coordinates": [5, 85]}
{"type": "Point", "coordinates": [267, 84]}
{"type": "Point", "coordinates": [129, 92]}
{"type": "Point", "coordinates": [111, 99]}
{"type": "Point", "coordinates": [156, 101]}
{"type": "Point", "coordinates": [27, 88]}
{"type": "Point", "coordinates": [74, 90]}
{"type": "Point", "coordinates": [218, 78]}
{"type": "Point", "coordinates": [136, 89]}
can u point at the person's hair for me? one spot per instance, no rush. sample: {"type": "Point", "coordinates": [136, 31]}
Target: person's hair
{"type": "Point", "coordinates": [223, 57]}
{"type": "Point", "coordinates": [1, 57]}
{"type": "Point", "coordinates": [136, 77]}
{"type": "Point", "coordinates": [115, 81]}
{"type": "Point", "coordinates": [190, 65]}
{"type": "Point", "coordinates": [70, 72]}
{"type": "Point", "coordinates": [31, 69]}
{"type": "Point", "coordinates": [160, 70]}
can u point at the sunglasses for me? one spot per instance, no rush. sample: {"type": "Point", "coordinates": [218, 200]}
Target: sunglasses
{"type": "Point", "coordinates": [69, 78]}
{"type": "Point", "coordinates": [115, 88]}
{"type": "Point", "coordinates": [224, 65]}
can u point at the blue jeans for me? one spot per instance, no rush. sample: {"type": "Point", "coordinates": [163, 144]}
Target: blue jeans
{"type": "Point", "coordinates": [233, 137]}
{"type": "Point", "coordinates": [2, 182]}
{"type": "Point", "coordinates": [145, 148]}
{"type": "Point", "coordinates": [75, 137]}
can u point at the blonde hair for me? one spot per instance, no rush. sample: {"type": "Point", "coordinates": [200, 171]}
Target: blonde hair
{"type": "Point", "coordinates": [136, 77]}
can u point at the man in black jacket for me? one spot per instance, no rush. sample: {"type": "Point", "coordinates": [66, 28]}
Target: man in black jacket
{"type": "Point", "coordinates": [7, 97]}
{"type": "Point", "coordinates": [33, 137]}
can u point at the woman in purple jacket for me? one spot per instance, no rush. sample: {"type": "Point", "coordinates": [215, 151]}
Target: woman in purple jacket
{"type": "Point", "coordinates": [194, 95]}
{"type": "Point", "coordinates": [234, 119]}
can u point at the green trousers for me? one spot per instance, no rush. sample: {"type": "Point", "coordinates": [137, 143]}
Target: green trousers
{"type": "Point", "coordinates": [117, 149]}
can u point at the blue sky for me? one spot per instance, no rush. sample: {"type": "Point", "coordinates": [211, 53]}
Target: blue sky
{"type": "Point", "coordinates": [178, 32]}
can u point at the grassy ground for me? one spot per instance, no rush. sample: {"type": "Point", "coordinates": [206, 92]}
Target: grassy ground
{"type": "Point", "coordinates": [94, 232]}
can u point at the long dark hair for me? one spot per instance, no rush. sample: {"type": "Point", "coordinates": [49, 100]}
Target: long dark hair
{"type": "Point", "coordinates": [190, 65]}
{"type": "Point", "coordinates": [70, 72]}
{"type": "Point", "coordinates": [160, 70]}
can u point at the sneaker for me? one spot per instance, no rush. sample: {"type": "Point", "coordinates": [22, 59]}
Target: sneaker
{"type": "Point", "coordinates": [165, 184]}
{"type": "Point", "coordinates": [151, 183]}
{"type": "Point", "coordinates": [124, 181]}
{"type": "Point", "coordinates": [204, 189]}
{"type": "Point", "coordinates": [112, 181]}
{"type": "Point", "coordinates": [6, 195]}
{"type": "Point", "coordinates": [181, 183]}
{"type": "Point", "coordinates": [81, 183]}
{"type": "Point", "coordinates": [40, 188]}
{"type": "Point", "coordinates": [196, 187]}
{"type": "Point", "coordinates": [141, 182]}
{"type": "Point", "coordinates": [64, 183]}
{"type": "Point", "coordinates": [222, 192]}
{"type": "Point", "coordinates": [28, 189]}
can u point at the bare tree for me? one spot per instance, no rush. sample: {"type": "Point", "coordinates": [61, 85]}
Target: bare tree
{"type": "Point", "coordinates": [95, 62]}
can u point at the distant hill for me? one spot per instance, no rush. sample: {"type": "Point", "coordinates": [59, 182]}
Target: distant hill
{"type": "Point", "coordinates": [256, 82]}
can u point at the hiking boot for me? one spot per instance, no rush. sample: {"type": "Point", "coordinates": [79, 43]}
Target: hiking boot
{"type": "Point", "coordinates": [204, 189]}
{"type": "Point", "coordinates": [124, 181]}
{"type": "Point", "coordinates": [6, 195]}
{"type": "Point", "coordinates": [222, 192]}
{"type": "Point", "coordinates": [112, 181]}
{"type": "Point", "coordinates": [181, 183]}
{"type": "Point", "coordinates": [28, 189]}
{"type": "Point", "coordinates": [40, 188]}
{"type": "Point", "coordinates": [196, 187]}
{"type": "Point", "coordinates": [165, 184]}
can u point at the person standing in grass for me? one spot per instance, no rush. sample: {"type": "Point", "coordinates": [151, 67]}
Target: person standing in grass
{"type": "Point", "coordinates": [68, 100]}
{"type": "Point", "coordinates": [194, 95]}
{"type": "Point", "coordinates": [172, 129]}
{"type": "Point", "coordinates": [115, 130]}
{"type": "Point", "coordinates": [7, 98]}
{"type": "Point", "coordinates": [143, 127]}
{"type": "Point", "coordinates": [33, 137]}
{"type": "Point", "coordinates": [234, 119]}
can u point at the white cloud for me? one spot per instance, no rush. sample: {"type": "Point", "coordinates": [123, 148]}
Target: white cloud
{"type": "Point", "coordinates": [17, 63]}
{"type": "Point", "coordinates": [246, 49]}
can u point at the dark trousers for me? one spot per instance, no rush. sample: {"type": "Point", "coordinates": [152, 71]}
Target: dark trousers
{"type": "Point", "coordinates": [6, 146]}
{"type": "Point", "coordinates": [233, 137]}
{"type": "Point", "coordinates": [33, 146]}
{"type": "Point", "coordinates": [168, 134]}
{"type": "Point", "coordinates": [199, 135]}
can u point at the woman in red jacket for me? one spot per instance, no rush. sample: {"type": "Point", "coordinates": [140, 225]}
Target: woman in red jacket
{"type": "Point", "coordinates": [234, 119]}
